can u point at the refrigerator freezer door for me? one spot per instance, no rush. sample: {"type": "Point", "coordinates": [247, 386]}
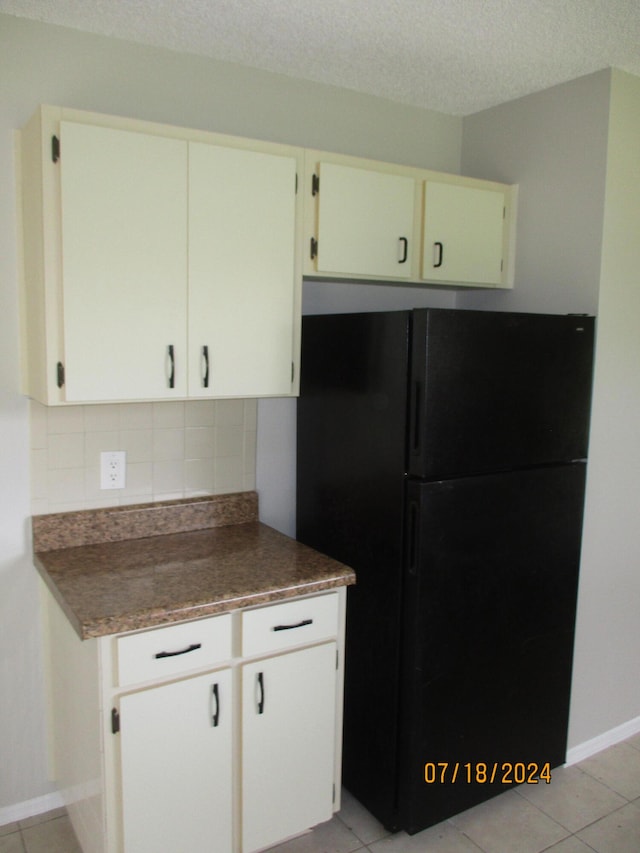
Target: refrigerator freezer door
{"type": "Point", "coordinates": [496, 391]}
{"type": "Point", "coordinates": [491, 583]}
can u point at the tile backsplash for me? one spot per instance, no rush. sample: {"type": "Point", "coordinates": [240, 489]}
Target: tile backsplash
{"type": "Point", "coordinates": [173, 450]}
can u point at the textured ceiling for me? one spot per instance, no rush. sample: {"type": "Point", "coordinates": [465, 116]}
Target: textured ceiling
{"type": "Point", "coordinates": [456, 56]}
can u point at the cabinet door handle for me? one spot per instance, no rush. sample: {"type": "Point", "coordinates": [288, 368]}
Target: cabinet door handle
{"type": "Point", "coordinates": [190, 648]}
{"type": "Point", "coordinates": [172, 366]}
{"type": "Point", "coordinates": [215, 705]}
{"type": "Point", "coordinates": [260, 692]}
{"type": "Point", "coordinates": [205, 359]}
{"type": "Point", "coordinates": [405, 250]}
{"type": "Point", "coordinates": [440, 256]}
{"type": "Point", "coordinates": [291, 627]}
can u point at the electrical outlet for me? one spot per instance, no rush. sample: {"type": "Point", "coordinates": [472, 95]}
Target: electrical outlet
{"type": "Point", "coordinates": [112, 469]}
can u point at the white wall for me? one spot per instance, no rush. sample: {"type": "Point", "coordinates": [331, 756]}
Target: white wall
{"type": "Point", "coordinates": [45, 64]}
{"type": "Point", "coordinates": [575, 150]}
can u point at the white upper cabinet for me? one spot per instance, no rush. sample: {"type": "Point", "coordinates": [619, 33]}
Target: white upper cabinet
{"type": "Point", "coordinates": [382, 221]}
{"type": "Point", "coordinates": [364, 222]}
{"type": "Point", "coordinates": [124, 263]}
{"type": "Point", "coordinates": [464, 233]}
{"type": "Point", "coordinates": [159, 262]}
{"type": "Point", "coordinates": [242, 277]}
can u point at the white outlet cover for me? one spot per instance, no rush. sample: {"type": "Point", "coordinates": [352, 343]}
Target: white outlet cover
{"type": "Point", "coordinates": [113, 464]}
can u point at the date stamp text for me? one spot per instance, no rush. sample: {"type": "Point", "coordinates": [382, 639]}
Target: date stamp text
{"type": "Point", "coordinates": [486, 773]}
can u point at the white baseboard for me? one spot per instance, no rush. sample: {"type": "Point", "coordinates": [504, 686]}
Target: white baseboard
{"type": "Point", "coordinates": [30, 808]}
{"type": "Point", "coordinates": [597, 744]}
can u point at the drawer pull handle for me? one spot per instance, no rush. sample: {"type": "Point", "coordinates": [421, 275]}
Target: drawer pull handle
{"type": "Point", "coordinates": [215, 700]}
{"type": "Point", "coordinates": [290, 627]}
{"type": "Point", "coordinates": [190, 648]}
{"type": "Point", "coordinates": [260, 686]}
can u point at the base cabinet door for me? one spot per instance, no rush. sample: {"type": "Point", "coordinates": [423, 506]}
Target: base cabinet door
{"type": "Point", "coordinates": [176, 754]}
{"type": "Point", "coordinates": [288, 736]}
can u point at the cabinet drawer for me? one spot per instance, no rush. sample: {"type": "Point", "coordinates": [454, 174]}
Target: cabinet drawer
{"type": "Point", "coordinates": [281, 626]}
{"type": "Point", "coordinates": [174, 649]}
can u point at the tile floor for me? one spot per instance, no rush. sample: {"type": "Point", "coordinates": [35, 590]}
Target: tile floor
{"type": "Point", "coordinates": [592, 806]}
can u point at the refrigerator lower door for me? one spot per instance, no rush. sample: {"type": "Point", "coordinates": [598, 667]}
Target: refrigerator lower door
{"type": "Point", "coordinates": [490, 592]}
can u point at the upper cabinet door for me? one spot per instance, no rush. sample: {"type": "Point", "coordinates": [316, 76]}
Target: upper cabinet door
{"type": "Point", "coordinates": [124, 250]}
{"type": "Point", "coordinates": [463, 234]}
{"type": "Point", "coordinates": [365, 222]}
{"type": "Point", "coordinates": [242, 276]}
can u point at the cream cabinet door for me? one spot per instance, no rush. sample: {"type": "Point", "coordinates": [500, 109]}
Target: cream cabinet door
{"type": "Point", "coordinates": [463, 234]}
{"type": "Point", "coordinates": [365, 222]}
{"type": "Point", "coordinates": [176, 754]}
{"type": "Point", "coordinates": [241, 272]}
{"type": "Point", "coordinates": [288, 744]}
{"type": "Point", "coordinates": [124, 263]}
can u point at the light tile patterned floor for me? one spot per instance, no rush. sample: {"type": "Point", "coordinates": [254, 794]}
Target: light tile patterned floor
{"type": "Point", "coordinates": [592, 806]}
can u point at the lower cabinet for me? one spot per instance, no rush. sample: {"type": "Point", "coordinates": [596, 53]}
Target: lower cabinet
{"type": "Point", "coordinates": [221, 735]}
{"type": "Point", "coordinates": [176, 764]}
{"type": "Point", "coordinates": [288, 733]}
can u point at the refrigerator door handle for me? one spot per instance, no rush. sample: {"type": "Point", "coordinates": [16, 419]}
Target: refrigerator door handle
{"type": "Point", "coordinates": [412, 557]}
{"type": "Point", "coordinates": [416, 419]}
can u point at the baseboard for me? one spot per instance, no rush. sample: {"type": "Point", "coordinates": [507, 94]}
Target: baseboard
{"type": "Point", "coordinates": [30, 808]}
{"type": "Point", "coordinates": [597, 744]}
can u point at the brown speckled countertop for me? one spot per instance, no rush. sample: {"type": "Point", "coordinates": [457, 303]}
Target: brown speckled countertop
{"type": "Point", "coordinates": [154, 564]}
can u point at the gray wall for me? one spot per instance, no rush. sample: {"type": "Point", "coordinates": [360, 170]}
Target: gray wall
{"type": "Point", "coordinates": [606, 686]}
{"type": "Point", "coordinates": [553, 144]}
{"type": "Point", "coordinates": [575, 151]}
{"type": "Point", "coordinates": [44, 64]}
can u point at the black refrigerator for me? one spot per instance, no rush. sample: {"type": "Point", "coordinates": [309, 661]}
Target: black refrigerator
{"type": "Point", "coordinates": [442, 454]}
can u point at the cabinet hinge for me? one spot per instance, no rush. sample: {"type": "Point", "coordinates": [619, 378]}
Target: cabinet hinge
{"type": "Point", "coordinates": [314, 248]}
{"type": "Point", "coordinates": [60, 374]}
{"type": "Point", "coordinates": [337, 659]}
{"type": "Point", "coordinates": [315, 184]}
{"type": "Point", "coordinates": [55, 149]}
{"type": "Point", "coordinates": [333, 795]}
{"type": "Point", "coordinates": [293, 371]}
{"type": "Point", "coordinates": [296, 183]}
{"type": "Point", "coordinates": [115, 721]}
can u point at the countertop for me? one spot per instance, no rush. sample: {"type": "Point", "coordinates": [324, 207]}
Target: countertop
{"type": "Point", "coordinates": [126, 568]}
